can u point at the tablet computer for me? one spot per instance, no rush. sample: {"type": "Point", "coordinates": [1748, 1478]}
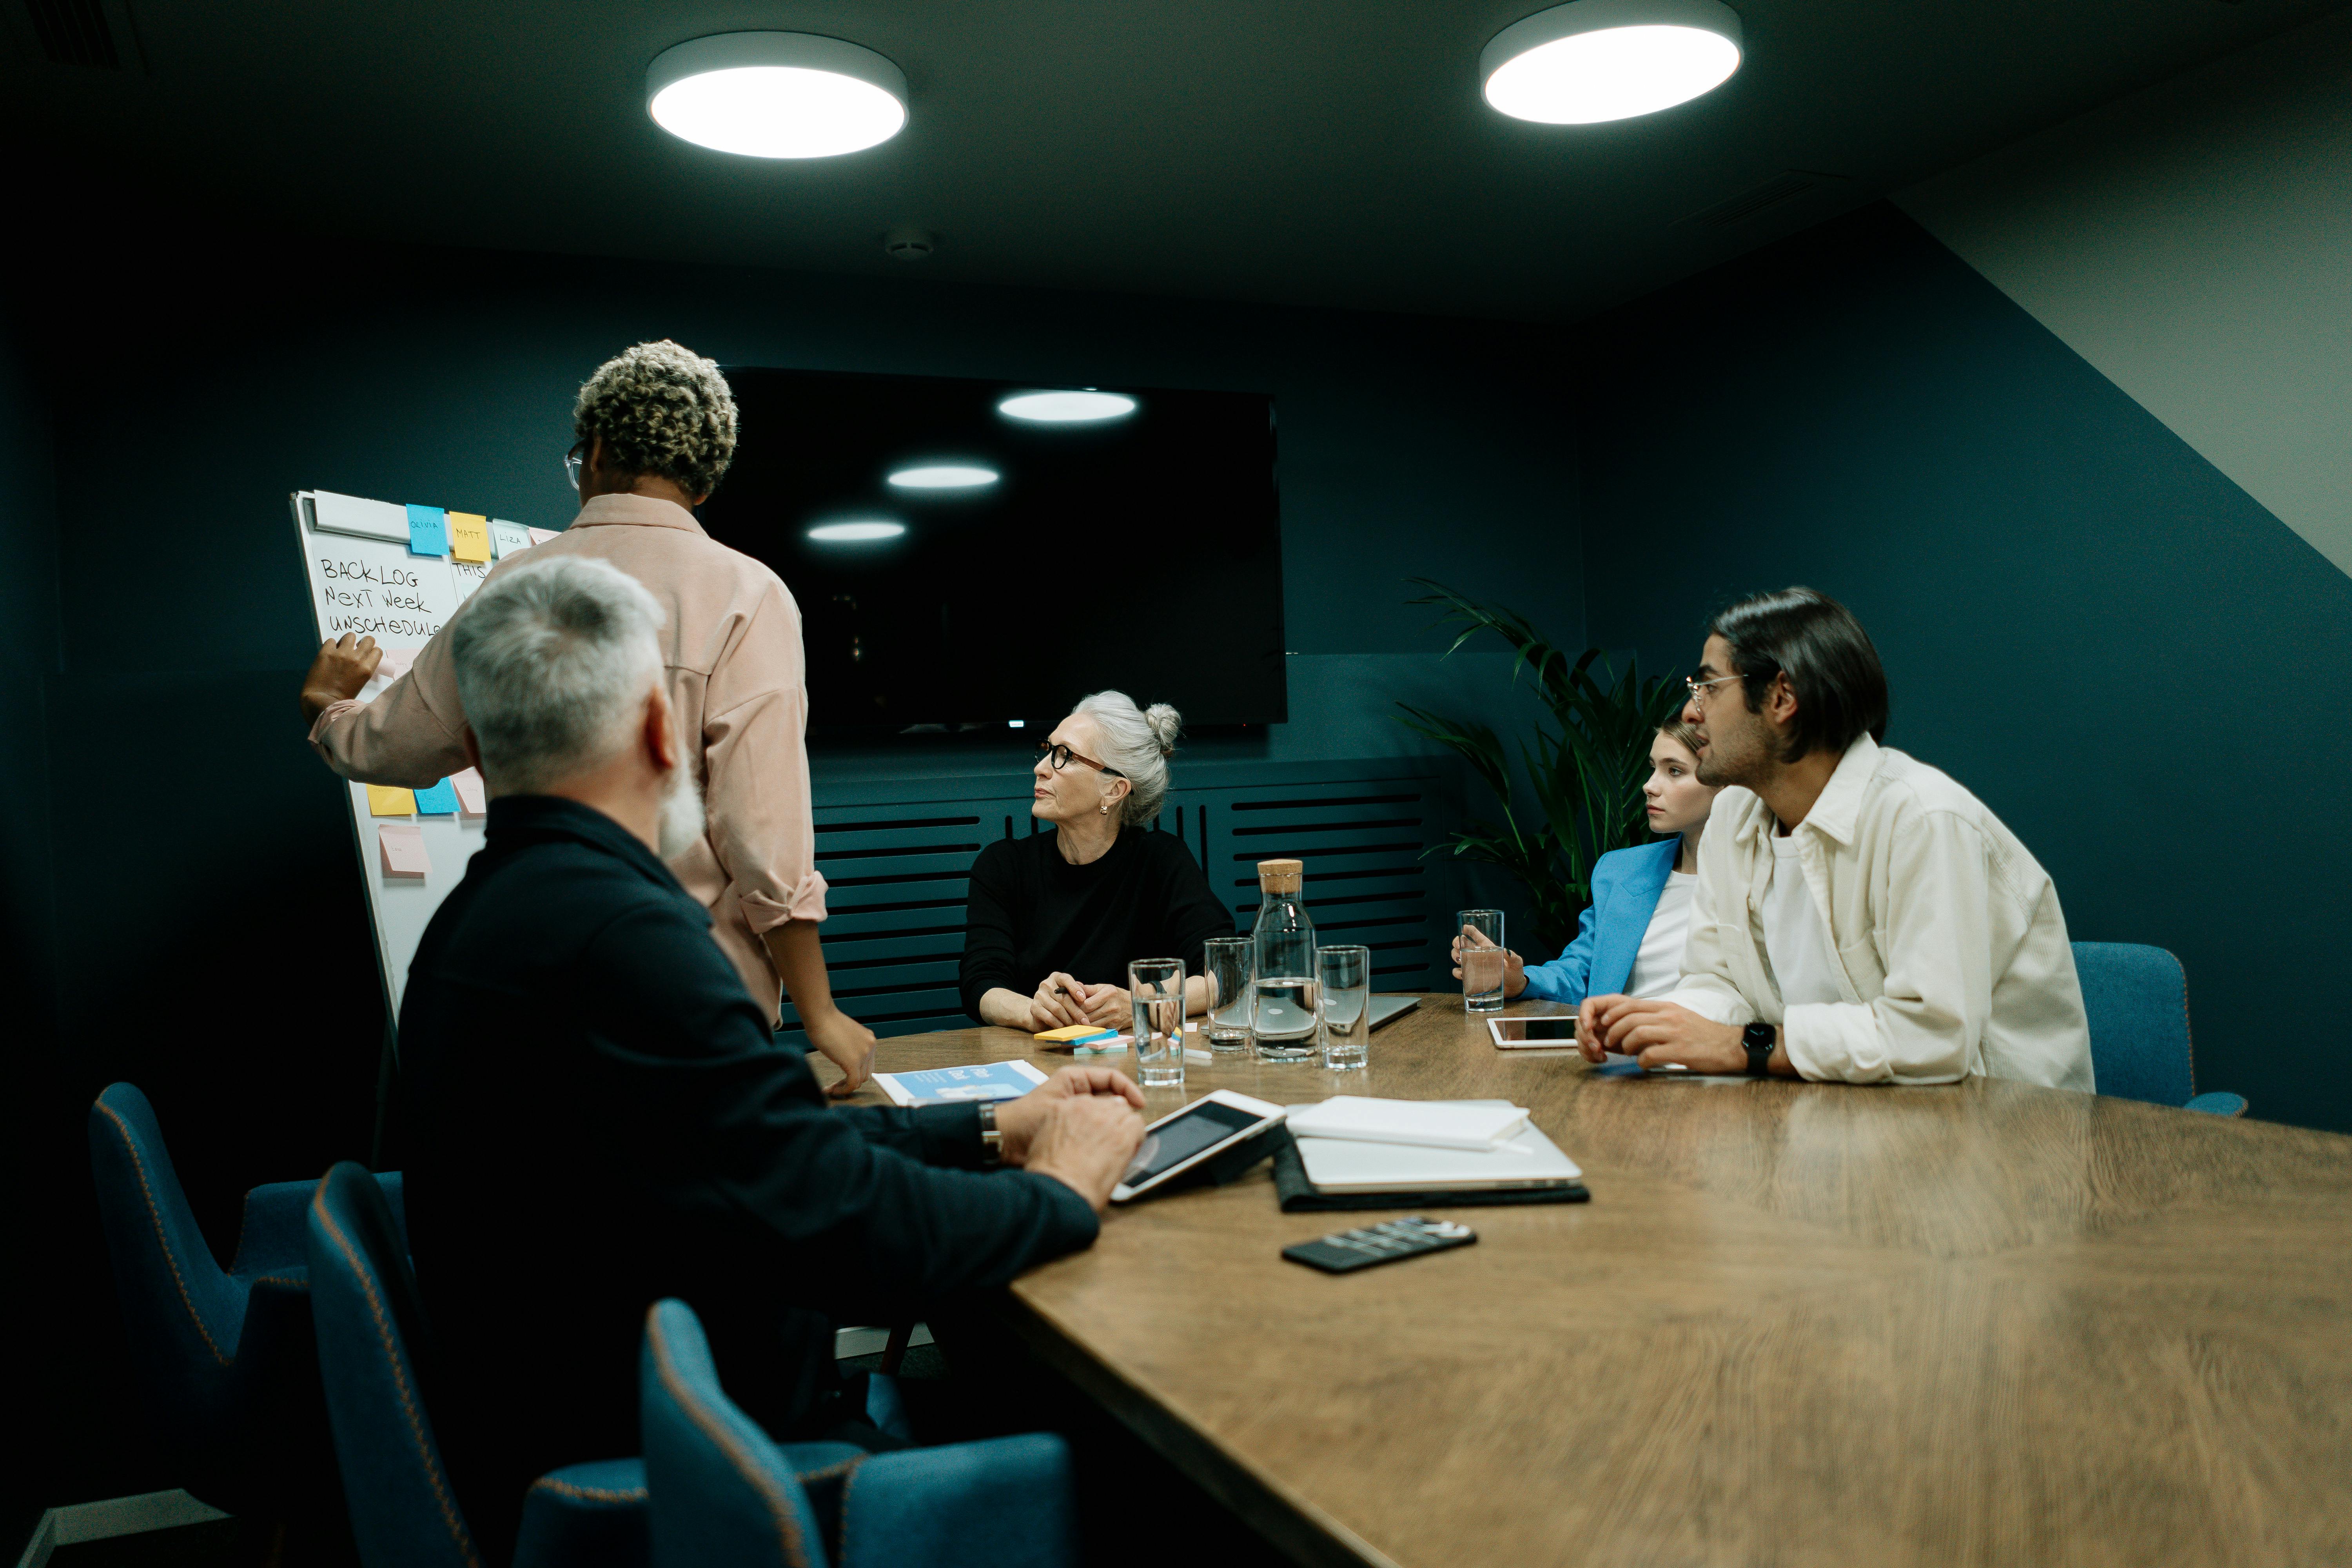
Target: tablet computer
{"type": "Point", "coordinates": [1548, 1033]}
{"type": "Point", "coordinates": [1201, 1131]}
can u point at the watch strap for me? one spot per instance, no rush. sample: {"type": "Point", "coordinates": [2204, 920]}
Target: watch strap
{"type": "Point", "coordinates": [991, 1141]}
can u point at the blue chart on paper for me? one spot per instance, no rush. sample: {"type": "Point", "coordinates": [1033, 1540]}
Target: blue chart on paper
{"type": "Point", "coordinates": [948, 1086]}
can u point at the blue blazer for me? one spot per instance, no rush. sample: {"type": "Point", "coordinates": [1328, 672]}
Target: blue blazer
{"type": "Point", "coordinates": [1626, 887]}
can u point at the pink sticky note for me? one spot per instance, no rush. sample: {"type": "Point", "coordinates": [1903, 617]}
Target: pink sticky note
{"type": "Point", "coordinates": [472, 798]}
{"type": "Point", "coordinates": [541, 535]}
{"type": "Point", "coordinates": [395, 663]}
{"type": "Point", "coordinates": [403, 844]}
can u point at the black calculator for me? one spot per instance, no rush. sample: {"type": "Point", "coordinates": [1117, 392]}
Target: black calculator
{"type": "Point", "coordinates": [1352, 1249]}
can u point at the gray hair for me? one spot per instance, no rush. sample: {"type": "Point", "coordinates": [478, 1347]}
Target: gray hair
{"type": "Point", "coordinates": [661, 409]}
{"type": "Point", "coordinates": [553, 658]}
{"type": "Point", "coordinates": [1137, 742]}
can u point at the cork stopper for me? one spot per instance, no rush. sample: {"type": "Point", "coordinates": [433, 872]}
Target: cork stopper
{"type": "Point", "coordinates": [1280, 876]}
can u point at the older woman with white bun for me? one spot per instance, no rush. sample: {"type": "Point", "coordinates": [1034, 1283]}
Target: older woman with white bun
{"type": "Point", "coordinates": [1055, 918]}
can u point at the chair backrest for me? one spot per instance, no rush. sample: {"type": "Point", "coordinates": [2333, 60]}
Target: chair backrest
{"type": "Point", "coordinates": [2137, 1001]}
{"type": "Point", "coordinates": [182, 1311]}
{"type": "Point", "coordinates": [722, 1496]}
{"type": "Point", "coordinates": [363, 1299]}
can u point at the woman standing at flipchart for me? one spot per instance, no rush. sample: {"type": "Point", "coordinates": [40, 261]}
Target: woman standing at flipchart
{"type": "Point", "coordinates": [656, 430]}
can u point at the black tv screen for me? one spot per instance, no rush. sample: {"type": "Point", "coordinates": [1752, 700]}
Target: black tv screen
{"type": "Point", "coordinates": [976, 553]}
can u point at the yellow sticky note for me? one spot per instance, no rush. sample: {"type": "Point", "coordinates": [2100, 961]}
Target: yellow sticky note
{"type": "Point", "coordinates": [389, 800]}
{"type": "Point", "coordinates": [469, 537]}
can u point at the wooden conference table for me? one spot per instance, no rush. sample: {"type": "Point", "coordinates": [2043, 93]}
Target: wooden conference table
{"type": "Point", "coordinates": [1797, 1323]}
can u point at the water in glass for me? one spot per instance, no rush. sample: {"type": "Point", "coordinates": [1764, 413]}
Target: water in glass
{"type": "Point", "coordinates": [1479, 934]}
{"type": "Point", "coordinates": [1345, 1000]}
{"type": "Point", "coordinates": [1230, 965]}
{"type": "Point", "coordinates": [1282, 1009]}
{"type": "Point", "coordinates": [1155, 990]}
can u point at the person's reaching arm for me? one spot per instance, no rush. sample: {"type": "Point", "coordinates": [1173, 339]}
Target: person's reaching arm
{"type": "Point", "coordinates": [408, 735]}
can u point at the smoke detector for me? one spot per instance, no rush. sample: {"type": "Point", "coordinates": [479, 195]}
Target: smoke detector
{"type": "Point", "coordinates": [907, 242]}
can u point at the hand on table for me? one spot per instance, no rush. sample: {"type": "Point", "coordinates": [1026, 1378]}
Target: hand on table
{"type": "Point", "coordinates": [846, 1043]}
{"type": "Point", "coordinates": [336, 676]}
{"type": "Point", "coordinates": [1057, 1004]}
{"type": "Point", "coordinates": [1018, 1120]}
{"type": "Point", "coordinates": [1658, 1033]}
{"type": "Point", "coordinates": [1083, 1141]}
{"type": "Point", "coordinates": [1515, 968]}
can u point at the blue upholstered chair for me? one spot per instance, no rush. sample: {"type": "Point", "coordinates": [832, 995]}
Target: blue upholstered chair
{"type": "Point", "coordinates": [223, 1358]}
{"type": "Point", "coordinates": [2137, 999]}
{"type": "Point", "coordinates": [726, 1496]}
{"type": "Point", "coordinates": [404, 1511]}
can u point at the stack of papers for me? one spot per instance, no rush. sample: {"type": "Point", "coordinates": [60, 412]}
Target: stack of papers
{"type": "Point", "coordinates": [1478, 1124]}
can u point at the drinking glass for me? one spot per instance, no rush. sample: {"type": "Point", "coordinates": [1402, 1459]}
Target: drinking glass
{"type": "Point", "coordinates": [1344, 1004]}
{"type": "Point", "coordinates": [1480, 932]}
{"type": "Point", "coordinates": [1155, 990]}
{"type": "Point", "coordinates": [1230, 963]}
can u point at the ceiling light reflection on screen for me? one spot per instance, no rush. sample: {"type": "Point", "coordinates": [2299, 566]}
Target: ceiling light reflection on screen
{"type": "Point", "coordinates": [1066, 407]}
{"type": "Point", "coordinates": [857, 531]}
{"type": "Point", "coordinates": [944, 477]}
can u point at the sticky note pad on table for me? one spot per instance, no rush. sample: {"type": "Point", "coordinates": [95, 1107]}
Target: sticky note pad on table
{"type": "Point", "coordinates": [470, 536]}
{"type": "Point", "coordinates": [402, 845]}
{"type": "Point", "coordinates": [1074, 1032]}
{"type": "Point", "coordinates": [391, 800]}
{"type": "Point", "coordinates": [436, 799]}
{"type": "Point", "coordinates": [508, 538]}
{"type": "Point", "coordinates": [428, 530]}
{"type": "Point", "coordinates": [472, 798]}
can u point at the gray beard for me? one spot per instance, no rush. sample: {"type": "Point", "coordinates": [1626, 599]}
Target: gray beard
{"type": "Point", "coordinates": [682, 823]}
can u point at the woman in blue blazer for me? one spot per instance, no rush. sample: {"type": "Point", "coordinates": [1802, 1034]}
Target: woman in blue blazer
{"type": "Point", "coordinates": [1631, 939]}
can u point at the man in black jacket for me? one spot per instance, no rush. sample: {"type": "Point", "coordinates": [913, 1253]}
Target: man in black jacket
{"type": "Point", "coordinates": [601, 1117]}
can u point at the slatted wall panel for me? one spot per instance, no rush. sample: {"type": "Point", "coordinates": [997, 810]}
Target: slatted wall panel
{"type": "Point", "coordinates": [899, 870]}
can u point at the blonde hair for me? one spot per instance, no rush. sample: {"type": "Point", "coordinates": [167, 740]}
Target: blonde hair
{"type": "Point", "coordinates": [661, 409]}
{"type": "Point", "coordinates": [1682, 732]}
{"type": "Point", "coordinates": [1137, 742]}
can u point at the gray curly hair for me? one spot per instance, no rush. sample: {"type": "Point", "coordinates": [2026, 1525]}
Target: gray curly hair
{"type": "Point", "coordinates": [1137, 742]}
{"type": "Point", "coordinates": [661, 409]}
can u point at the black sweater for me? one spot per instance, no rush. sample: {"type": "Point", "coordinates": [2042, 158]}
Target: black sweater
{"type": "Point", "coordinates": [601, 1117]}
{"type": "Point", "coordinates": [1032, 912]}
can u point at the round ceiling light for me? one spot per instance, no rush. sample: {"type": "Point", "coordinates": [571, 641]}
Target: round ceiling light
{"type": "Point", "coordinates": [944, 477]}
{"type": "Point", "coordinates": [857, 531]}
{"type": "Point", "coordinates": [1066, 407]}
{"type": "Point", "coordinates": [776, 95]}
{"type": "Point", "coordinates": [1609, 60]}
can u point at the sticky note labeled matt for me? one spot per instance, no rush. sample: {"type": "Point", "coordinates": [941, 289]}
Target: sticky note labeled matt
{"type": "Point", "coordinates": [403, 844]}
{"type": "Point", "coordinates": [472, 798]}
{"type": "Point", "coordinates": [436, 799]}
{"type": "Point", "coordinates": [428, 530]}
{"type": "Point", "coordinates": [391, 800]}
{"type": "Point", "coordinates": [470, 536]}
{"type": "Point", "coordinates": [508, 538]}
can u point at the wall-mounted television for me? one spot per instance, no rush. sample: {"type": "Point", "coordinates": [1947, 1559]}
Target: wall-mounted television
{"type": "Point", "coordinates": [980, 552]}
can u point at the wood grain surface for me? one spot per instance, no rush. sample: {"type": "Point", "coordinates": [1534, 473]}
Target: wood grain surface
{"type": "Point", "coordinates": [1798, 1323]}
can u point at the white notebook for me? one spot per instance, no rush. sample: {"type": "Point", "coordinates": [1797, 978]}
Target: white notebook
{"type": "Point", "coordinates": [1530, 1160]}
{"type": "Point", "coordinates": [1430, 1123]}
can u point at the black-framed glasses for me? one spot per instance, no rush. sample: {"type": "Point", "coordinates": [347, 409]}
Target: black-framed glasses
{"type": "Point", "coordinates": [1061, 756]}
{"type": "Point", "coordinates": [572, 462]}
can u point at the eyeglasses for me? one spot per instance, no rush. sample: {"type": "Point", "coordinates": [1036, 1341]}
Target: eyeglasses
{"type": "Point", "coordinates": [1698, 688]}
{"type": "Point", "coordinates": [572, 461]}
{"type": "Point", "coordinates": [1062, 757]}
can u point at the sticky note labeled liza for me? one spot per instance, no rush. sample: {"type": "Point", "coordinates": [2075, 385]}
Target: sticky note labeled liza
{"type": "Point", "coordinates": [391, 800]}
{"type": "Point", "coordinates": [436, 800]}
{"type": "Point", "coordinates": [472, 798]}
{"type": "Point", "coordinates": [469, 537]}
{"type": "Point", "coordinates": [403, 847]}
{"type": "Point", "coordinates": [508, 538]}
{"type": "Point", "coordinates": [428, 530]}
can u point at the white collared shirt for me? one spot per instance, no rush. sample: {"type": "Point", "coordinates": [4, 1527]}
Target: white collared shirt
{"type": "Point", "coordinates": [1947, 948]}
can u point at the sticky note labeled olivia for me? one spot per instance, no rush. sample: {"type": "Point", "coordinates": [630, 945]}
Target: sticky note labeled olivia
{"type": "Point", "coordinates": [508, 538]}
{"type": "Point", "coordinates": [428, 530]}
{"type": "Point", "coordinates": [470, 536]}
{"type": "Point", "coordinates": [391, 800]}
{"type": "Point", "coordinates": [472, 798]}
{"type": "Point", "coordinates": [436, 800]}
{"type": "Point", "coordinates": [402, 847]}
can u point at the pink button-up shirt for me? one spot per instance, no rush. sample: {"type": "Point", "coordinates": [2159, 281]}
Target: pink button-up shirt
{"type": "Point", "coordinates": [732, 646]}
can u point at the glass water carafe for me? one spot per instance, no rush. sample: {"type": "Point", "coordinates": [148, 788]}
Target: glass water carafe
{"type": "Point", "coordinates": [1282, 1013]}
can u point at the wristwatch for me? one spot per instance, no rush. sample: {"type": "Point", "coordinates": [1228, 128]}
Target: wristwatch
{"type": "Point", "coordinates": [991, 1141]}
{"type": "Point", "coordinates": [1757, 1041]}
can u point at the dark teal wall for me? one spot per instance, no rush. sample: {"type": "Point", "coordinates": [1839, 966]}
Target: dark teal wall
{"type": "Point", "coordinates": [2120, 652]}
{"type": "Point", "coordinates": [208, 923]}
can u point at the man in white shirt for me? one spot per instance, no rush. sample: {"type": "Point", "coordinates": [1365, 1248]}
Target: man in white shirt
{"type": "Point", "coordinates": [1860, 918]}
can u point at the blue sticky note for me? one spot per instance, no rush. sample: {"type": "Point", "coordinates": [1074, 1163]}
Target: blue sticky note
{"type": "Point", "coordinates": [441, 797]}
{"type": "Point", "coordinates": [428, 530]}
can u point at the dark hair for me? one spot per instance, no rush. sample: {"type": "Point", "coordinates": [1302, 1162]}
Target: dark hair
{"type": "Point", "coordinates": [1815, 641]}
